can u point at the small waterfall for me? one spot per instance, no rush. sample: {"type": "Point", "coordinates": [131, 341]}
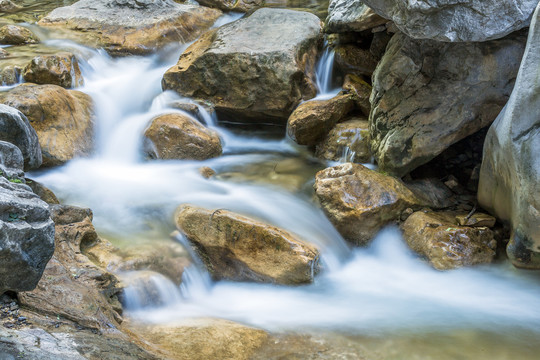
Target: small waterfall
{"type": "Point", "coordinates": [147, 290]}
{"type": "Point", "coordinates": [324, 74]}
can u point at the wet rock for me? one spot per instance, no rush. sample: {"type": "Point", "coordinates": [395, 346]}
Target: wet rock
{"type": "Point", "coordinates": [9, 75]}
{"type": "Point", "coordinates": [359, 201]}
{"type": "Point", "coordinates": [448, 20]}
{"type": "Point", "coordinates": [207, 172]}
{"type": "Point", "coordinates": [16, 35]}
{"type": "Point", "coordinates": [7, 6]}
{"type": "Point", "coordinates": [347, 142]}
{"type": "Point", "coordinates": [42, 191]}
{"type": "Point", "coordinates": [351, 15]}
{"type": "Point", "coordinates": [234, 5]}
{"type": "Point", "coordinates": [509, 180]}
{"type": "Point", "coordinates": [446, 244]}
{"type": "Point", "coordinates": [351, 58]}
{"type": "Point", "coordinates": [63, 119]}
{"type": "Point", "coordinates": [61, 69]}
{"type": "Point", "coordinates": [238, 248]}
{"type": "Point", "coordinates": [255, 69]}
{"type": "Point", "coordinates": [428, 95]}
{"type": "Point", "coordinates": [178, 136]}
{"type": "Point", "coordinates": [3, 53]}
{"type": "Point", "coordinates": [476, 220]}
{"type": "Point", "coordinates": [360, 90]}
{"type": "Point", "coordinates": [124, 27]}
{"type": "Point", "coordinates": [433, 192]}
{"type": "Point", "coordinates": [312, 120]}
{"type": "Point", "coordinates": [26, 229]}
{"type": "Point", "coordinates": [16, 129]}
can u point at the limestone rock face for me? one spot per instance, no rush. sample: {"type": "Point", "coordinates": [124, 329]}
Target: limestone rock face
{"type": "Point", "coordinates": [63, 119]}
{"type": "Point", "coordinates": [125, 27]}
{"type": "Point", "coordinates": [178, 136]}
{"type": "Point", "coordinates": [447, 245]}
{"type": "Point", "coordinates": [428, 95]}
{"type": "Point", "coordinates": [16, 35]}
{"type": "Point", "coordinates": [456, 21]}
{"type": "Point", "coordinates": [16, 129]}
{"type": "Point", "coordinates": [26, 228]}
{"type": "Point", "coordinates": [312, 120]}
{"type": "Point", "coordinates": [360, 201]}
{"type": "Point", "coordinates": [255, 69]}
{"type": "Point", "coordinates": [60, 69]}
{"type": "Point", "coordinates": [347, 141]}
{"type": "Point", "coordinates": [234, 5]}
{"type": "Point", "coordinates": [351, 15]}
{"type": "Point", "coordinates": [510, 174]}
{"type": "Point", "coordinates": [238, 248]}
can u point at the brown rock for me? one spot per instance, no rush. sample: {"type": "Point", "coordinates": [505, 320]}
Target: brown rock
{"type": "Point", "coordinates": [347, 141]}
{"type": "Point", "coordinates": [42, 191]}
{"type": "Point", "coordinates": [177, 136]}
{"type": "Point", "coordinates": [476, 220]}
{"type": "Point", "coordinates": [446, 244]}
{"type": "Point", "coordinates": [312, 120]}
{"type": "Point", "coordinates": [359, 201]}
{"type": "Point", "coordinates": [353, 59]}
{"type": "Point", "coordinates": [234, 5]}
{"type": "Point", "coordinates": [63, 119]}
{"type": "Point", "coordinates": [61, 69]}
{"type": "Point", "coordinates": [16, 35]}
{"type": "Point", "coordinates": [238, 248]}
{"type": "Point", "coordinates": [9, 75]}
{"type": "Point", "coordinates": [360, 90]}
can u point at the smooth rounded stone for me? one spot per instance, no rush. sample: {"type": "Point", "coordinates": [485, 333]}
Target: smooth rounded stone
{"type": "Point", "coordinates": [447, 245]}
{"type": "Point", "coordinates": [351, 15]}
{"type": "Point", "coordinates": [179, 136]}
{"type": "Point", "coordinates": [428, 95]}
{"type": "Point", "coordinates": [234, 5]}
{"type": "Point", "coordinates": [256, 69]}
{"type": "Point", "coordinates": [509, 184]}
{"type": "Point", "coordinates": [61, 69]}
{"type": "Point", "coordinates": [346, 142]}
{"type": "Point", "coordinates": [10, 75]}
{"type": "Point", "coordinates": [125, 27]}
{"type": "Point", "coordinates": [352, 59]}
{"type": "Point", "coordinates": [451, 21]}
{"type": "Point", "coordinates": [3, 53]}
{"type": "Point", "coordinates": [312, 120]}
{"type": "Point", "coordinates": [238, 248]}
{"type": "Point", "coordinates": [16, 35]}
{"type": "Point", "coordinates": [42, 191]}
{"type": "Point", "coordinates": [63, 119]}
{"type": "Point", "coordinates": [16, 129]}
{"type": "Point", "coordinates": [8, 6]}
{"type": "Point", "coordinates": [360, 201]}
{"type": "Point", "coordinates": [360, 90]}
{"type": "Point", "coordinates": [11, 159]}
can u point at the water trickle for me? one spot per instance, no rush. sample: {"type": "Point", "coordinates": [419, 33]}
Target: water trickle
{"type": "Point", "coordinates": [147, 290]}
{"type": "Point", "coordinates": [324, 75]}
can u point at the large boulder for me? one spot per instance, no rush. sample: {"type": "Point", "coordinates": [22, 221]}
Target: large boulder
{"type": "Point", "coordinates": [60, 69]}
{"type": "Point", "coordinates": [258, 68]}
{"type": "Point", "coordinates": [133, 26]}
{"type": "Point", "coordinates": [360, 201]}
{"type": "Point", "coordinates": [510, 174]}
{"type": "Point", "coordinates": [428, 95]}
{"type": "Point", "coordinates": [456, 21]}
{"type": "Point", "coordinates": [16, 129]}
{"type": "Point", "coordinates": [179, 136]}
{"type": "Point", "coordinates": [238, 248]}
{"type": "Point", "coordinates": [351, 15]}
{"type": "Point", "coordinates": [16, 35]}
{"type": "Point", "coordinates": [26, 228]}
{"type": "Point", "coordinates": [63, 119]}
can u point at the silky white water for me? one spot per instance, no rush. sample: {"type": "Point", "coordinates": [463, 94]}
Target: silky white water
{"type": "Point", "coordinates": [369, 290]}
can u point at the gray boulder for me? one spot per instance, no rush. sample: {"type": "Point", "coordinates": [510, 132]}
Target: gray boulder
{"type": "Point", "coordinates": [351, 15]}
{"type": "Point", "coordinates": [16, 129]}
{"type": "Point", "coordinates": [456, 21]}
{"type": "Point", "coordinates": [510, 175]}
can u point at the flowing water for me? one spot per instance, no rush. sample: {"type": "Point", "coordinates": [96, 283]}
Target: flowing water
{"type": "Point", "coordinates": [382, 291]}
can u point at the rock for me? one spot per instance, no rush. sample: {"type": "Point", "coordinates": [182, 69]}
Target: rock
{"type": "Point", "coordinates": [509, 180]}
{"type": "Point", "coordinates": [351, 58]}
{"type": "Point", "coordinates": [207, 172]}
{"type": "Point", "coordinates": [42, 191]}
{"type": "Point", "coordinates": [360, 90]}
{"type": "Point", "coordinates": [255, 69]}
{"type": "Point", "coordinates": [179, 136]}
{"type": "Point", "coordinates": [234, 5]}
{"type": "Point", "coordinates": [63, 119]}
{"type": "Point", "coordinates": [445, 244]}
{"type": "Point", "coordinates": [238, 248]}
{"type": "Point", "coordinates": [3, 53]}
{"type": "Point", "coordinates": [428, 95]}
{"type": "Point", "coordinates": [312, 120]}
{"type": "Point", "coordinates": [26, 229]}
{"type": "Point", "coordinates": [16, 129]}
{"type": "Point", "coordinates": [476, 220]}
{"type": "Point", "coordinates": [359, 201]}
{"type": "Point", "coordinates": [10, 75]}
{"type": "Point", "coordinates": [16, 35]}
{"type": "Point", "coordinates": [125, 27]}
{"type": "Point", "coordinates": [347, 141]}
{"type": "Point", "coordinates": [72, 287]}
{"type": "Point", "coordinates": [61, 69]}
{"type": "Point", "coordinates": [433, 192]}
{"type": "Point", "coordinates": [351, 15]}
{"type": "Point", "coordinates": [448, 20]}
{"type": "Point", "coordinates": [8, 6]}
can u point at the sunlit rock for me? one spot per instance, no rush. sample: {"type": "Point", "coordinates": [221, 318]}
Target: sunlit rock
{"type": "Point", "coordinates": [351, 15]}
{"type": "Point", "coordinates": [61, 69]}
{"type": "Point", "coordinates": [234, 5]}
{"type": "Point", "coordinates": [360, 90]}
{"type": "Point", "coordinates": [347, 142]}
{"type": "Point", "coordinates": [510, 174]}
{"type": "Point", "coordinates": [238, 248]}
{"type": "Point", "coordinates": [16, 35]}
{"type": "Point", "coordinates": [63, 119]}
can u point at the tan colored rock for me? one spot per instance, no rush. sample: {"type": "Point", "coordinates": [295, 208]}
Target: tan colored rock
{"type": "Point", "coordinates": [43, 192]}
{"type": "Point", "coordinates": [63, 119]}
{"type": "Point", "coordinates": [360, 90]}
{"type": "Point", "coordinates": [3, 53]}
{"type": "Point", "coordinates": [447, 245]}
{"type": "Point", "coordinates": [347, 141]}
{"type": "Point", "coordinates": [9, 75]}
{"type": "Point", "coordinates": [16, 35]}
{"type": "Point", "coordinates": [234, 5]}
{"type": "Point", "coordinates": [238, 248]}
{"type": "Point", "coordinates": [7, 6]}
{"type": "Point", "coordinates": [311, 121]}
{"type": "Point", "coordinates": [360, 201]}
{"type": "Point", "coordinates": [61, 69]}
{"type": "Point", "coordinates": [353, 59]}
{"type": "Point", "coordinates": [178, 136]}
{"type": "Point", "coordinates": [476, 220]}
